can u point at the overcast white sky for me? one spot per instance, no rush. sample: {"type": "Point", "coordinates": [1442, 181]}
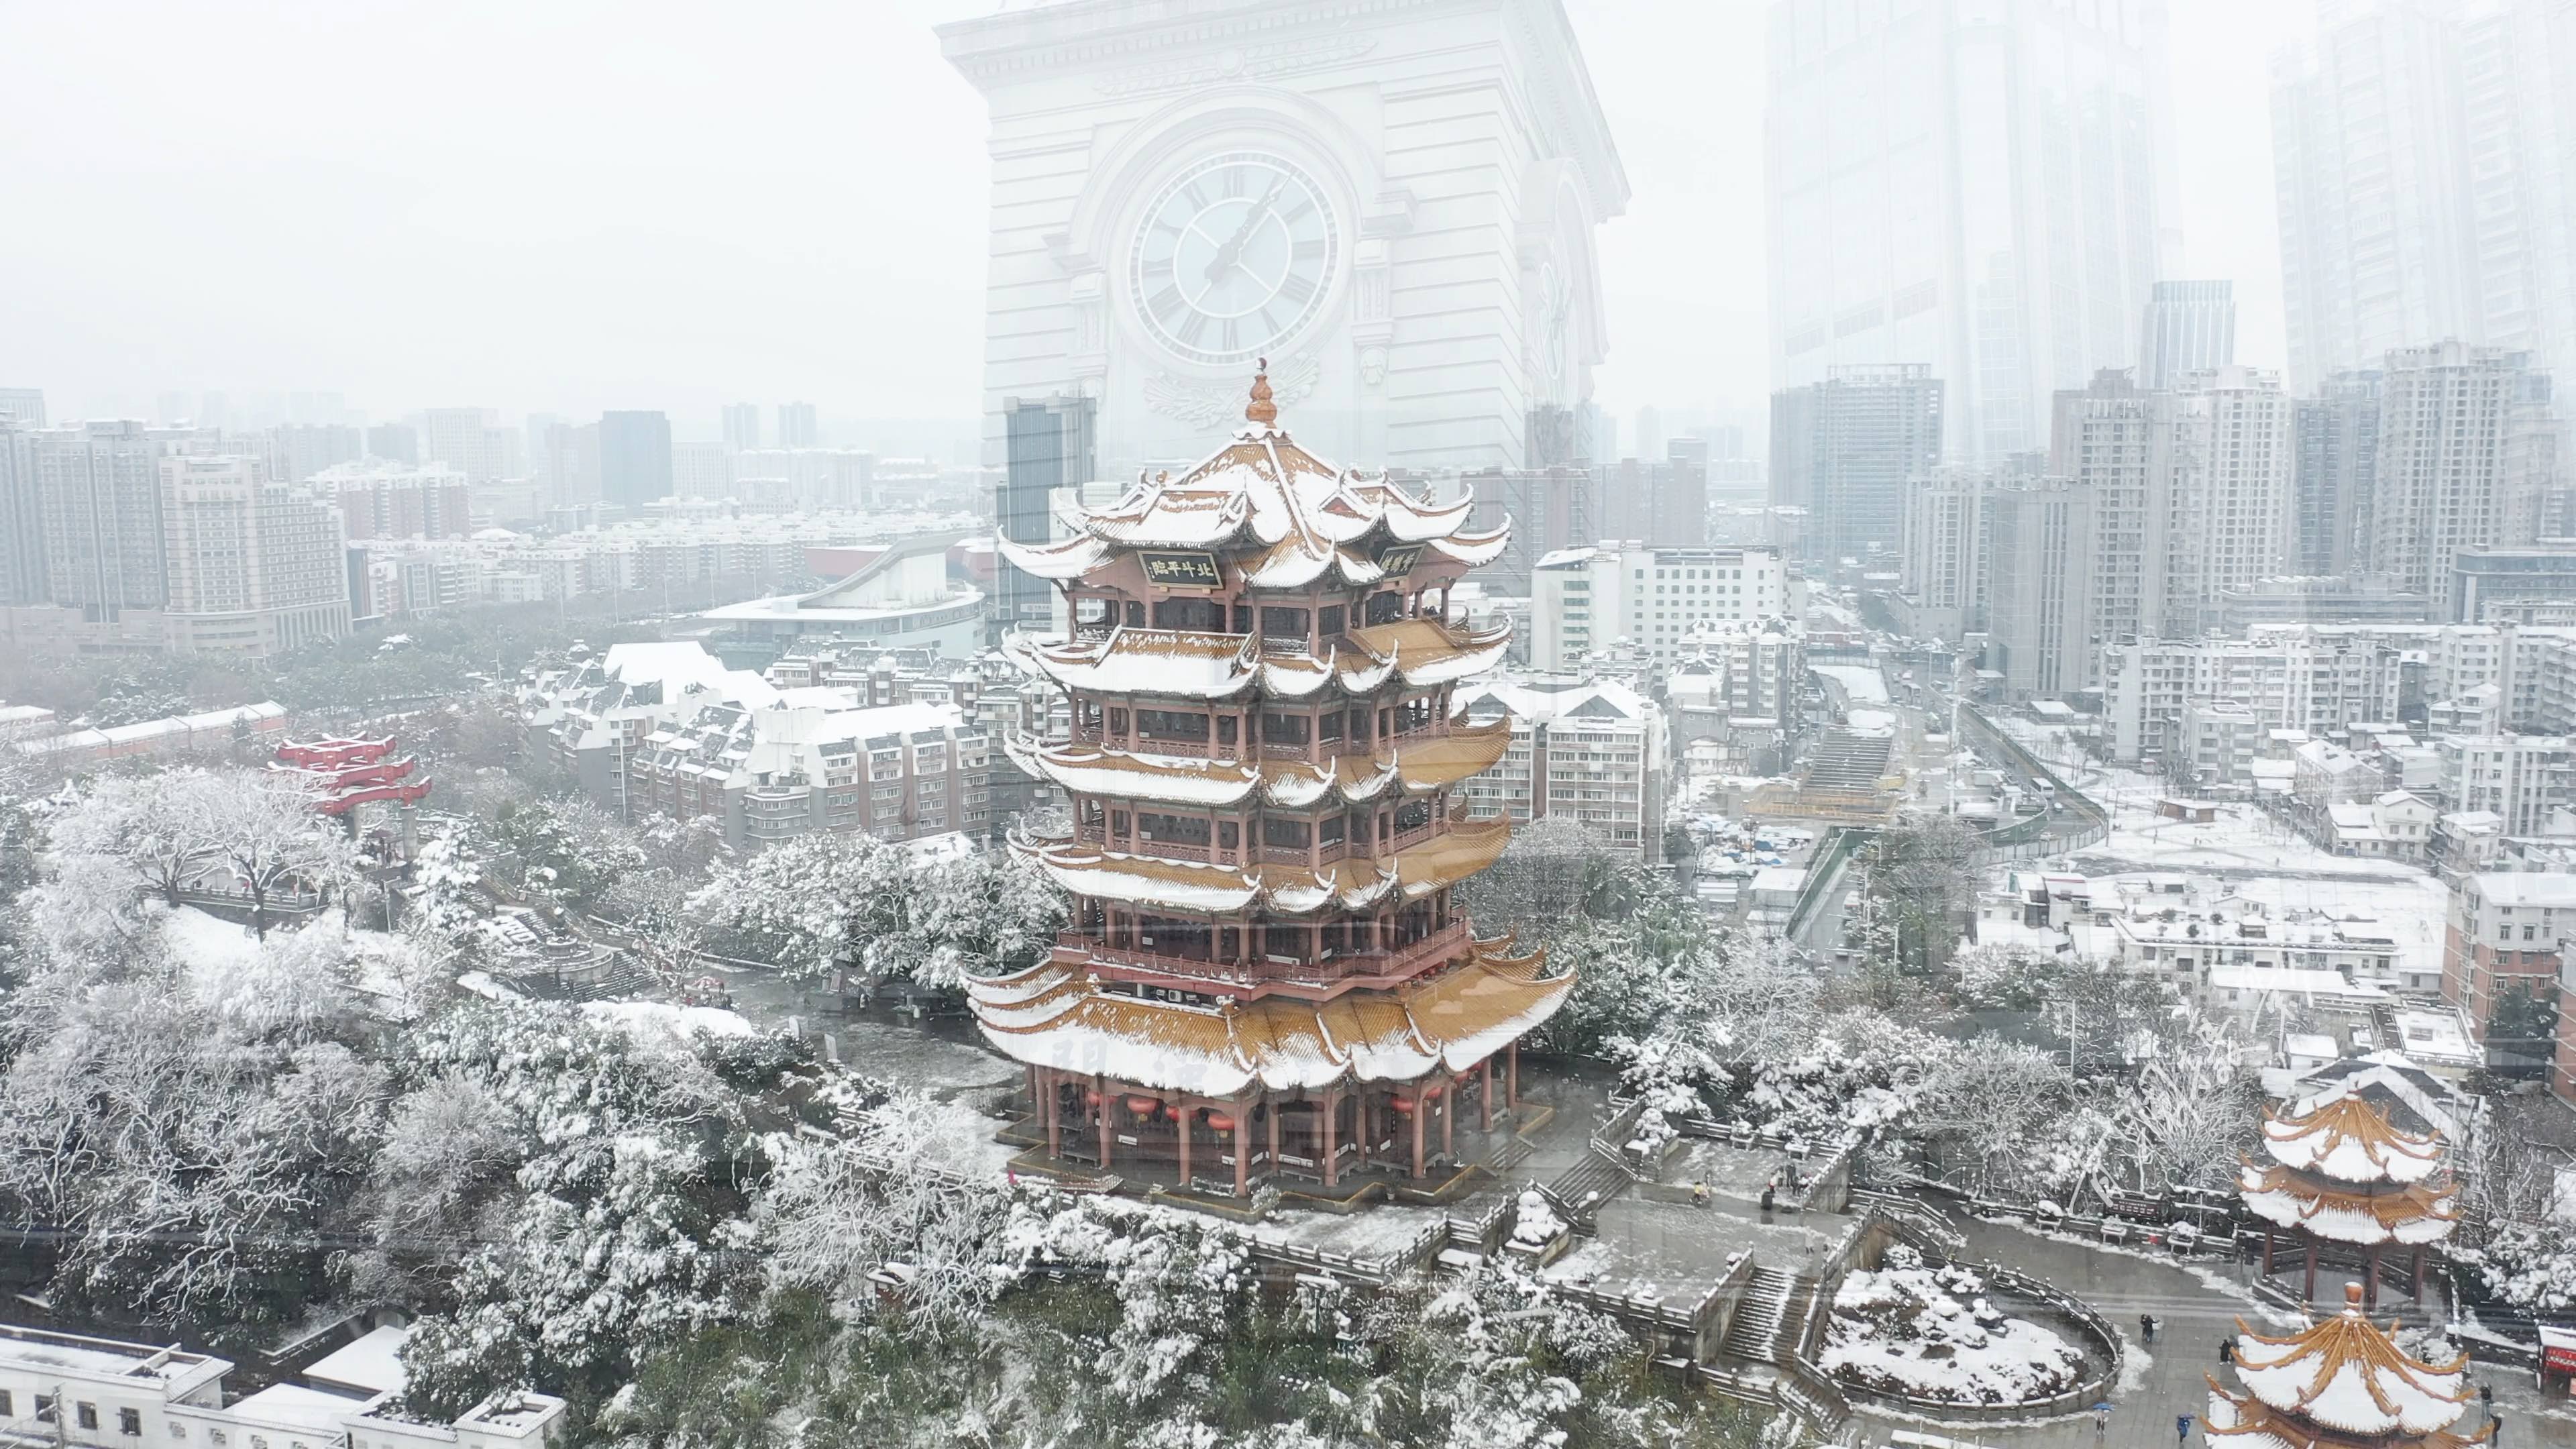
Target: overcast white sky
{"type": "Point", "coordinates": [577, 204]}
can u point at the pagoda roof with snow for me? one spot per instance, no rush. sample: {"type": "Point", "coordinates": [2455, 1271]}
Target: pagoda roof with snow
{"type": "Point", "coordinates": [1294, 517]}
{"type": "Point", "coordinates": [1057, 1015]}
{"type": "Point", "coordinates": [1180, 664]}
{"type": "Point", "coordinates": [1404, 767]}
{"type": "Point", "coordinates": [1354, 883]}
{"type": "Point", "coordinates": [2340, 1382]}
{"type": "Point", "coordinates": [2342, 1171]}
{"type": "Point", "coordinates": [2349, 1139]}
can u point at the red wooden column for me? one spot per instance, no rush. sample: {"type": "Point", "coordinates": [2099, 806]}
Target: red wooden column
{"type": "Point", "coordinates": [1108, 1109]}
{"type": "Point", "coordinates": [1512, 1072]}
{"type": "Point", "coordinates": [1362, 1119]}
{"type": "Point", "coordinates": [2310, 1293]}
{"type": "Point", "coordinates": [1182, 1106]}
{"type": "Point", "coordinates": [1332, 1163]}
{"type": "Point", "coordinates": [1421, 1105]}
{"type": "Point", "coordinates": [1272, 1098]}
{"type": "Point", "coordinates": [1485, 1092]}
{"type": "Point", "coordinates": [1054, 1115]}
{"type": "Point", "coordinates": [1448, 1116]}
{"type": "Point", "coordinates": [1242, 1148]}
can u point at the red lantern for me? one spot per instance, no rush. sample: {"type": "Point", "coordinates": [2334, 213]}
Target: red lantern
{"type": "Point", "coordinates": [1403, 1105]}
{"type": "Point", "coordinates": [1432, 1092]}
{"type": "Point", "coordinates": [1220, 1122]}
{"type": "Point", "coordinates": [1143, 1106]}
{"type": "Point", "coordinates": [1091, 1097]}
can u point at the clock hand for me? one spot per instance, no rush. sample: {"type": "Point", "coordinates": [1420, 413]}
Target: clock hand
{"type": "Point", "coordinates": [1225, 257]}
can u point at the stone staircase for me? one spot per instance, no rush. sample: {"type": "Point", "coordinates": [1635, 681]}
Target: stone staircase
{"type": "Point", "coordinates": [1773, 1314]}
{"type": "Point", "coordinates": [1584, 1187]}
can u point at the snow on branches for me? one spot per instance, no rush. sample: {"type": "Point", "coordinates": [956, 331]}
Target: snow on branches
{"type": "Point", "coordinates": [850, 902]}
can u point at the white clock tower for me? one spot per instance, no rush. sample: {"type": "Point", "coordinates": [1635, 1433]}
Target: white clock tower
{"type": "Point", "coordinates": [1393, 201]}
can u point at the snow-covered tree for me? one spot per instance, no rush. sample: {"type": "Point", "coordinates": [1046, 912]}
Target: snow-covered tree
{"type": "Point", "coordinates": [161, 827]}
{"type": "Point", "coordinates": [624, 1230]}
{"type": "Point", "coordinates": [195, 1123]}
{"type": "Point", "coordinates": [271, 841]}
{"type": "Point", "coordinates": [820, 904]}
{"type": "Point", "coordinates": [2531, 1265]}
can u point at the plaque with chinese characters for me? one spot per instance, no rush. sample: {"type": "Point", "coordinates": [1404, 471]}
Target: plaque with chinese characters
{"type": "Point", "coordinates": [1181, 569]}
{"type": "Point", "coordinates": [1398, 559]}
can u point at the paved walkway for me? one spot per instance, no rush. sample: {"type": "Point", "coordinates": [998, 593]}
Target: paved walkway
{"type": "Point", "coordinates": [2195, 1307]}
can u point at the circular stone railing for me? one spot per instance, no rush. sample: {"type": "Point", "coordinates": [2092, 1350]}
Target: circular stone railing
{"type": "Point", "coordinates": [2101, 1346]}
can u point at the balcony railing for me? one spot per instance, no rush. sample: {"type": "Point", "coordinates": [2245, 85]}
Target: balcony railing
{"type": "Point", "coordinates": [1295, 971]}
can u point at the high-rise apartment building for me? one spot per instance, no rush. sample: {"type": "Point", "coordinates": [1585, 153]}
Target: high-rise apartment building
{"type": "Point", "coordinates": [99, 492]}
{"type": "Point", "coordinates": [2189, 327]}
{"type": "Point", "coordinates": [2114, 440]}
{"type": "Point", "coordinates": [254, 566]}
{"type": "Point", "coordinates": [297, 451]}
{"type": "Point", "coordinates": [1942, 554]}
{"type": "Point", "coordinates": [2427, 182]}
{"type": "Point", "coordinates": [742, 426]}
{"type": "Point", "coordinates": [1845, 447]}
{"type": "Point", "coordinates": [634, 458]}
{"type": "Point", "coordinates": [2189, 495]}
{"type": "Point", "coordinates": [2031, 137]}
{"type": "Point", "coordinates": [1583, 601]}
{"type": "Point", "coordinates": [2231, 494]}
{"type": "Point", "coordinates": [1548, 509]}
{"type": "Point", "coordinates": [380, 499]}
{"type": "Point", "coordinates": [572, 463]}
{"type": "Point", "coordinates": [394, 442]}
{"type": "Point", "coordinates": [2337, 443]}
{"type": "Point", "coordinates": [22, 519]}
{"type": "Point", "coordinates": [1595, 752]}
{"type": "Point", "coordinates": [465, 439]}
{"type": "Point", "coordinates": [2370, 168]}
{"type": "Point", "coordinates": [24, 406]}
{"type": "Point", "coordinates": [797, 426]}
{"type": "Point", "coordinates": [2038, 610]}
{"type": "Point", "coordinates": [702, 470]}
{"type": "Point", "coordinates": [2467, 455]}
{"type": "Point", "coordinates": [1047, 446]}
{"type": "Point", "coordinates": [1662, 502]}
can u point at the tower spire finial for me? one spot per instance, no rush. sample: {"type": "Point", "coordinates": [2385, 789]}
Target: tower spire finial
{"type": "Point", "coordinates": [1261, 409]}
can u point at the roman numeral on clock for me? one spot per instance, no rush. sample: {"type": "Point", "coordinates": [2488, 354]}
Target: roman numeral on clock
{"type": "Point", "coordinates": [1297, 287]}
{"type": "Point", "coordinates": [1165, 302]}
{"type": "Point", "coordinates": [1192, 328]}
{"type": "Point", "coordinates": [1227, 340]}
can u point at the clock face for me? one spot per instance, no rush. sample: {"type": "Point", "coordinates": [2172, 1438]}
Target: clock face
{"type": "Point", "coordinates": [1234, 256]}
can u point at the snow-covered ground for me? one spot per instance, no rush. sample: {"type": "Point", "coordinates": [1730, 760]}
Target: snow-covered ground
{"type": "Point", "coordinates": [205, 941]}
{"type": "Point", "coordinates": [642, 1019]}
{"type": "Point", "coordinates": [1931, 1333]}
{"type": "Point", "coordinates": [907, 1056]}
{"type": "Point", "coordinates": [965, 1142]}
{"type": "Point", "coordinates": [1373, 1234]}
{"type": "Point", "coordinates": [1862, 683]}
{"type": "Point", "coordinates": [2242, 838]}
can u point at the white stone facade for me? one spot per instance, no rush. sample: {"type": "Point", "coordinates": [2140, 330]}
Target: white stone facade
{"type": "Point", "coordinates": [1393, 202]}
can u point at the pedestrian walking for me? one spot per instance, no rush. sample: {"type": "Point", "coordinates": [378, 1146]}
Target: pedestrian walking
{"type": "Point", "coordinates": [2101, 1422]}
{"type": "Point", "coordinates": [2227, 1350]}
{"type": "Point", "coordinates": [2486, 1399]}
{"type": "Point", "coordinates": [2495, 1421]}
{"type": "Point", "coordinates": [2182, 1428]}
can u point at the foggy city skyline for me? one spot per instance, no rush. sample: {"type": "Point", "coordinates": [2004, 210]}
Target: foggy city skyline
{"type": "Point", "coordinates": [716, 216]}
{"type": "Point", "coordinates": [1288, 724]}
